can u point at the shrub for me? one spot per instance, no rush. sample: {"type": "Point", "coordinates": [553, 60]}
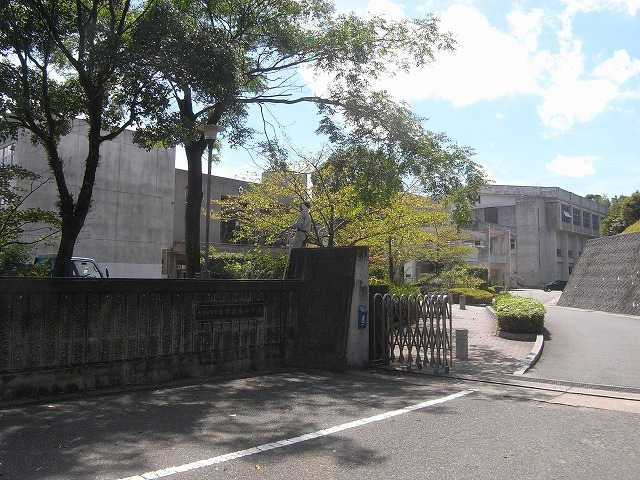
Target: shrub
{"type": "Point", "coordinates": [473, 296]}
{"type": "Point", "coordinates": [519, 314]}
{"type": "Point", "coordinates": [405, 289]}
{"type": "Point", "coordinates": [251, 265]}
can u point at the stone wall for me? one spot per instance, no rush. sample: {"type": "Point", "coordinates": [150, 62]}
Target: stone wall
{"type": "Point", "coordinates": [607, 276]}
{"type": "Point", "coordinates": [62, 335]}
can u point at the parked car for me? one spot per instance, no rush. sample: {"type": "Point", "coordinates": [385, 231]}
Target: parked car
{"type": "Point", "coordinates": [80, 266]}
{"type": "Point", "coordinates": [555, 285]}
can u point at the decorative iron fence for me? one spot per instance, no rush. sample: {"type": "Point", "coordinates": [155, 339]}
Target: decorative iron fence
{"type": "Point", "coordinates": [413, 330]}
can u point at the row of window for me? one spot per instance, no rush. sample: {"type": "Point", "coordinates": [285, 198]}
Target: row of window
{"type": "Point", "coordinates": [569, 253]}
{"type": "Point", "coordinates": [580, 218]}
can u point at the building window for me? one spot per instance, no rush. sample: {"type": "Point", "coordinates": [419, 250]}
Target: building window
{"type": "Point", "coordinates": [570, 254]}
{"type": "Point", "coordinates": [566, 213]}
{"type": "Point", "coordinates": [491, 214]}
{"type": "Point", "coordinates": [512, 243]}
{"type": "Point", "coordinates": [595, 220]}
{"type": "Point", "coordinates": [577, 217]}
{"type": "Point", "coordinates": [558, 252]}
{"type": "Point", "coordinates": [586, 220]}
{"type": "Point", "coordinates": [8, 154]}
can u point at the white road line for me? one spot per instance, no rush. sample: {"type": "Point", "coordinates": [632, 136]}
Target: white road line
{"type": "Point", "coordinates": [290, 441]}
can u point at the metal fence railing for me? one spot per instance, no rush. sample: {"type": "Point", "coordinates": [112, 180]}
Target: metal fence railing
{"type": "Point", "coordinates": [412, 330]}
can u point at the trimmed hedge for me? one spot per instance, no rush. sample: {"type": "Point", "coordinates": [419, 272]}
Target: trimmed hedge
{"type": "Point", "coordinates": [473, 296]}
{"type": "Point", "coordinates": [519, 314]}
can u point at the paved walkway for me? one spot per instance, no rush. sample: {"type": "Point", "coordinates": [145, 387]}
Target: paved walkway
{"type": "Point", "coordinates": [489, 354]}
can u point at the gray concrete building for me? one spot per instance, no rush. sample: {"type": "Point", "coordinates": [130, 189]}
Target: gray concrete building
{"type": "Point", "coordinates": [220, 233]}
{"type": "Point", "coordinates": [130, 219]}
{"type": "Point", "coordinates": [136, 225]}
{"type": "Point", "coordinates": [528, 236]}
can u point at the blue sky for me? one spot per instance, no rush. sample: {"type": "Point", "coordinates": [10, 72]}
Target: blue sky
{"type": "Point", "coordinates": [546, 92]}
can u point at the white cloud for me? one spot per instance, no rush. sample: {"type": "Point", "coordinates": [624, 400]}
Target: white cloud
{"type": "Point", "coordinates": [526, 27]}
{"type": "Point", "coordinates": [489, 64]}
{"type": "Point", "coordinates": [390, 10]}
{"type": "Point", "coordinates": [618, 68]}
{"type": "Point", "coordinates": [486, 65]}
{"type": "Point", "coordinates": [577, 167]}
{"type": "Point", "coordinates": [627, 6]}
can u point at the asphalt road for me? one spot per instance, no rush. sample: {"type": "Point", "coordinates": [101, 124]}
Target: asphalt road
{"type": "Point", "coordinates": [362, 425]}
{"type": "Point", "coordinates": [305, 425]}
{"type": "Point", "coordinates": [585, 346]}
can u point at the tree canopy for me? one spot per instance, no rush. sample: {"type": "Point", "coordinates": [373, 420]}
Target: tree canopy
{"type": "Point", "coordinates": [254, 52]}
{"type": "Point", "coordinates": [356, 199]}
{"type": "Point", "coordinates": [623, 212]}
{"type": "Point", "coordinates": [63, 61]}
{"type": "Point", "coordinates": [169, 66]}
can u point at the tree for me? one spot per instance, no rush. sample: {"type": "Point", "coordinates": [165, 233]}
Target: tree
{"type": "Point", "coordinates": [623, 211]}
{"type": "Point", "coordinates": [15, 220]}
{"type": "Point", "coordinates": [253, 51]}
{"type": "Point", "coordinates": [630, 209]}
{"type": "Point", "coordinates": [601, 199]}
{"type": "Point", "coordinates": [356, 199]}
{"type": "Point", "coordinates": [64, 60]}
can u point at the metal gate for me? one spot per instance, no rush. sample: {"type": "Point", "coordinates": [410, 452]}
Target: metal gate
{"type": "Point", "coordinates": [411, 330]}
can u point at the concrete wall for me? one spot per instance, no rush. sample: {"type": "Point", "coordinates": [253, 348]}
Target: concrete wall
{"type": "Point", "coordinates": [61, 335]}
{"type": "Point", "coordinates": [335, 283]}
{"type": "Point", "coordinates": [607, 276]}
{"type": "Point", "coordinates": [130, 220]}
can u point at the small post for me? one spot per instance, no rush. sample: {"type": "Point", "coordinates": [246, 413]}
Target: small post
{"type": "Point", "coordinates": [463, 302]}
{"type": "Point", "coordinates": [462, 343]}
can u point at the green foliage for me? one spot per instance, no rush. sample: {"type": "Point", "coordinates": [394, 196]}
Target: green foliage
{"type": "Point", "coordinates": [404, 289]}
{"type": "Point", "coordinates": [601, 199]}
{"type": "Point", "coordinates": [630, 209]}
{"type": "Point", "coordinates": [16, 185]}
{"type": "Point", "coordinates": [344, 210]}
{"type": "Point", "coordinates": [16, 260]}
{"type": "Point", "coordinates": [519, 314]}
{"type": "Point", "coordinates": [446, 280]}
{"type": "Point", "coordinates": [473, 296]}
{"type": "Point", "coordinates": [623, 212]}
{"type": "Point", "coordinates": [251, 265]}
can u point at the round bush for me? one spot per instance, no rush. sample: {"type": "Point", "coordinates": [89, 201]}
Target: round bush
{"type": "Point", "coordinates": [519, 314]}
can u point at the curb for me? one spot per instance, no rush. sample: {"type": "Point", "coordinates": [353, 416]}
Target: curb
{"type": "Point", "coordinates": [533, 357]}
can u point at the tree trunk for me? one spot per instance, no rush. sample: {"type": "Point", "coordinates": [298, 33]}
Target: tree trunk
{"type": "Point", "coordinates": [65, 250]}
{"type": "Point", "coordinates": [193, 210]}
{"type": "Point", "coordinates": [74, 214]}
